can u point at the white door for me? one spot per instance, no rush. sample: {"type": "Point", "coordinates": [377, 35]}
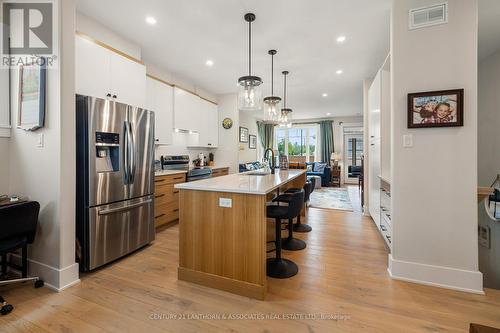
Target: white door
{"type": "Point", "coordinates": [92, 69]}
{"type": "Point", "coordinates": [128, 81]}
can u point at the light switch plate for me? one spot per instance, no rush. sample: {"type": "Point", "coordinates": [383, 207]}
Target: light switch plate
{"type": "Point", "coordinates": [407, 141]}
{"type": "Point", "coordinates": [40, 140]}
{"type": "Point", "coordinates": [225, 202]}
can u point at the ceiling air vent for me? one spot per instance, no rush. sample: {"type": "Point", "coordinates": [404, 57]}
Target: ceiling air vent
{"type": "Point", "coordinates": [428, 16]}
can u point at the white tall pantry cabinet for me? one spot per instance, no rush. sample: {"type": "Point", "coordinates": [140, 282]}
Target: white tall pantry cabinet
{"type": "Point", "coordinates": [379, 113]}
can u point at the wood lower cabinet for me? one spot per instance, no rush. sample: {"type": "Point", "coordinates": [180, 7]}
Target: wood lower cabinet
{"type": "Point", "coordinates": [217, 172]}
{"type": "Point", "coordinates": [167, 198]}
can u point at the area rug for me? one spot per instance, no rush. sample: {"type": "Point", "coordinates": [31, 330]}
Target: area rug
{"type": "Point", "coordinates": [331, 198]}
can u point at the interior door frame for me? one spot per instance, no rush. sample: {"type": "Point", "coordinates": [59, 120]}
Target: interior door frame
{"type": "Point", "coordinates": [346, 130]}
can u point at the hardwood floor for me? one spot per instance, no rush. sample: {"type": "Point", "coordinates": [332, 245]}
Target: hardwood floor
{"type": "Point", "coordinates": [341, 272]}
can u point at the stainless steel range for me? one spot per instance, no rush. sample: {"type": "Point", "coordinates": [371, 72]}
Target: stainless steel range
{"type": "Point", "coordinates": [181, 162]}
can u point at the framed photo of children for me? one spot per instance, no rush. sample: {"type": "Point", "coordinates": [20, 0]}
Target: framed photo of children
{"type": "Point", "coordinates": [436, 109]}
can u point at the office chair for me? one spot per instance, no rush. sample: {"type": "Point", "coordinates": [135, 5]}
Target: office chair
{"type": "Point", "coordinates": [18, 224]}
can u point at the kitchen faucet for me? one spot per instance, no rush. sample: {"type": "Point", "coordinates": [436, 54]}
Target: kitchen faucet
{"type": "Point", "coordinates": [272, 165]}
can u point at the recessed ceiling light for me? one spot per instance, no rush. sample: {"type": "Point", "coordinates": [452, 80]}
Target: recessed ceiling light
{"type": "Point", "coordinates": [341, 39]}
{"type": "Point", "coordinates": [328, 114]}
{"type": "Point", "coordinates": [151, 20]}
{"type": "Point", "coordinates": [339, 71]}
{"type": "Point", "coordinates": [209, 63]}
{"type": "Point", "coordinates": [324, 95]}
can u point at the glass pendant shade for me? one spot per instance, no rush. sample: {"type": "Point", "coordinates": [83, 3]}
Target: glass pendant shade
{"type": "Point", "coordinates": [250, 93]}
{"type": "Point", "coordinates": [272, 105]}
{"type": "Point", "coordinates": [285, 118]}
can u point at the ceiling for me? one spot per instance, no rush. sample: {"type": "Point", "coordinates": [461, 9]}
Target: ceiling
{"type": "Point", "coordinates": [187, 33]}
{"type": "Point", "coordinates": [489, 27]}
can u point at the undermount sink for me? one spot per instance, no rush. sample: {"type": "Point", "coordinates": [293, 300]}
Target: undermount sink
{"type": "Point", "coordinates": [258, 173]}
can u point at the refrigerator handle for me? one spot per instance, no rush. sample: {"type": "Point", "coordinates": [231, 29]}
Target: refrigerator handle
{"type": "Point", "coordinates": [124, 208]}
{"type": "Point", "coordinates": [132, 154]}
{"type": "Point", "coordinates": [126, 157]}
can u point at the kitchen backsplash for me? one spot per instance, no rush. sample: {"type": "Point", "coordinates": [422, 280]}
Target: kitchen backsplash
{"type": "Point", "coordinates": [179, 145]}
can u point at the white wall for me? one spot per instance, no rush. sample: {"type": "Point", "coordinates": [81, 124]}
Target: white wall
{"type": "Point", "coordinates": [248, 120]}
{"type": "Point", "coordinates": [488, 119]}
{"type": "Point", "coordinates": [4, 165]}
{"type": "Point", "coordinates": [434, 183]}
{"type": "Point", "coordinates": [46, 174]}
{"type": "Point", "coordinates": [227, 153]}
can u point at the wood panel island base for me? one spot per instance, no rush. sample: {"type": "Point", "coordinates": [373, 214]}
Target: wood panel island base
{"type": "Point", "coordinates": [222, 230]}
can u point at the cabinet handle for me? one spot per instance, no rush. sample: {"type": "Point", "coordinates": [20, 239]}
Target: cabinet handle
{"type": "Point", "coordinates": [157, 140]}
{"type": "Point", "coordinates": [176, 210]}
{"type": "Point", "coordinates": [372, 136]}
{"type": "Point", "coordinates": [175, 192]}
{"type": "Point", "coordinates": [158, 216]}
{"type": "Point", "coordinates": [178, 178]}
{"type": "Point", "coordinates": [159, 180]}
{"type": "Point", "coordinates": [209, 144]}
{"type": "Point", "coordinates": [372, 144]}
{"type": "Point", "coordinates": [159, 195]}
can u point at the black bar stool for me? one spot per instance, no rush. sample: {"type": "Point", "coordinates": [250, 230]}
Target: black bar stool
{"type": "Point", "coordinates": [308, 189]}
{"type": "Point", "coordinates": [278, 267]}
{"type": "Point", "coordinates": [290, 243]}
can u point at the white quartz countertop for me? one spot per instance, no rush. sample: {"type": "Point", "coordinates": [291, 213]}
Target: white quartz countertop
{"type": "Point", "coordinates": [243, 182]}
{"type": "Point", "coordinates": [169, 172]}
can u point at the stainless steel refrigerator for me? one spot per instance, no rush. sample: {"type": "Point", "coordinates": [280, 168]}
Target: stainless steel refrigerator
{"type": "Point", "coordinates": [115, 180]}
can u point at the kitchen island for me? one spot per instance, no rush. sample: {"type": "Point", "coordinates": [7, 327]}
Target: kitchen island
{"type": "Point", "coordinates": [222, 229]}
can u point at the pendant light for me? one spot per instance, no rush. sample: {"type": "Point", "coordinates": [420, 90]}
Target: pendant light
{"type": "Point", "coordinates": [272, 103]}
{"type": "Point", "coordinates": [250, 94]}
{"type": "Point", "coordinates": [286, 113]}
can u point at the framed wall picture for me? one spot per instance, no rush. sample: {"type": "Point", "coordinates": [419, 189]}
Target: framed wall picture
{"type": "Point", "coordinates": [252, 144]}
{"type": "Point", "coordinates": [243, 134]}
{"type": "Point", "coordinates": [32, 96]}
{"type": "Point", "coordinates": [443, 108]}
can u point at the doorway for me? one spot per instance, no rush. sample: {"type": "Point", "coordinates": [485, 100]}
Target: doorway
{"type": "Point", "coordinates": [353, 153]}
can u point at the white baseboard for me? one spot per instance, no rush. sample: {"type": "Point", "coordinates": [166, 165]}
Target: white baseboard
{"type": "Point", "coordinates": [54, 278]}
{"type": "Point", "coordinates": [436, 276]}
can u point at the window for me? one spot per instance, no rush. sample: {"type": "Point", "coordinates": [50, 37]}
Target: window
{"type": "Point", "coordinates": [298, 143]}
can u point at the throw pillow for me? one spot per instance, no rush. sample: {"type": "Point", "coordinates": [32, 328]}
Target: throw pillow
{"type": "Point", "coordinates": [319, 167]}
{"type": "Point", "coordinates": [309, 168]}
{"type": "Point", "coordinates": [250, 166]}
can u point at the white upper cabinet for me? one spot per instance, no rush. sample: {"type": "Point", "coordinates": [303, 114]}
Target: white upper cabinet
{"type": "Point", "coordinates": [93, 69]}
{"type": "Point", "coordinates": [106, 74]}
{"type": "Point", "coordinates": [195, 114]}
{"type": "Point", "coordinates": [160, 100]}
{"type": "Point", "coordinates": [128, 80]}
{"type": "Point", "coordinates": [185, 109]}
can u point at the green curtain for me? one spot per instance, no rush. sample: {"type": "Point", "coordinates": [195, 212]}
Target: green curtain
{"type": "Point", "coordinates": [326, 142]}
{"type": "Point", "coordinates": [266, 134]}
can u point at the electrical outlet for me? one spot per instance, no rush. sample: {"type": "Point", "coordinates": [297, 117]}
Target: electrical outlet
{"type": "Point", "coordinates": [225, 202]}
